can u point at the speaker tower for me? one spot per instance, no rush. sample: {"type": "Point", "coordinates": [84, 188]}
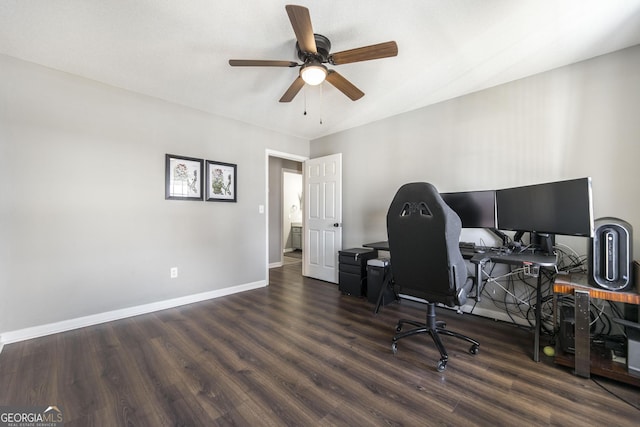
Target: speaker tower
{"type": "Point", "coordinates": [610, 254]}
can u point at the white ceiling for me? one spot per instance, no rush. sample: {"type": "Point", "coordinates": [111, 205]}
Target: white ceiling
{"type": "Point", "coordinates": [177, 50]}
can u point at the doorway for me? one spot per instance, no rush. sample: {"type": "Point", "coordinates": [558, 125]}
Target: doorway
{"type": "Point", "coordinates": [277, 233]}
{"type": "Point", "coordinates": [292, 216]}
{"type": "Point", "coordinates": [321, 212]}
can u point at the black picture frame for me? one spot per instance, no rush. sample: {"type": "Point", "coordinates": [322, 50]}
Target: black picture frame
{"type": "Point", "coordinates": [183, 178]}
{"type": "Point", "coordinates": [221, 182]}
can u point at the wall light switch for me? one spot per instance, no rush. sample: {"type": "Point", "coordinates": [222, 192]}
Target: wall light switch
{"type": "Point", "coordinates": [261, 209]}
{"type": "Point", "coordinates": [174, 272]}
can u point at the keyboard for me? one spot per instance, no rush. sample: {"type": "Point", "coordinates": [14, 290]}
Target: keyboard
{"type": "Point", "coordinates": [466, 245]}
{"type": "Point", "coordinates": [470, 247]}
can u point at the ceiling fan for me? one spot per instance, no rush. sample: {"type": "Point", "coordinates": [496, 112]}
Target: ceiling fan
{"type": "Point", "coordinates": [314, 51]}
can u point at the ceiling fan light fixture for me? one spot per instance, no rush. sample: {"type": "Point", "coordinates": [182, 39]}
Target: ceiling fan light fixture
{"type": "Point", "coordinates": [313, 73]}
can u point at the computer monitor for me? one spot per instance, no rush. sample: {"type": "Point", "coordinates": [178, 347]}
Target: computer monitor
{"type": "Point", "coordinates": [476, 209]}
{"type": "Point", "coordinates": [562, 207]}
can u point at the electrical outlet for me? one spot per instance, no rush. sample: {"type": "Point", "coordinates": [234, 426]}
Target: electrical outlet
{"type": "Point", "coordinates": [174, 272]}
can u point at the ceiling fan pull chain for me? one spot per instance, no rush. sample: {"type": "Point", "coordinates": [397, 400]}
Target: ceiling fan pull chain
{"type": "Point", "coordinates": [305, 101]}
{"type": "Point", "coordinates": [321, 103]}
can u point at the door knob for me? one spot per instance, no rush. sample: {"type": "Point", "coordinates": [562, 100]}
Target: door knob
{"type": "Point", "coordinates": [337, 224]}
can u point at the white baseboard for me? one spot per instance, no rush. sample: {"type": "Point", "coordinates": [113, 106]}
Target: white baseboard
{"type": "Point", "coordinates": [81, 322]}
{"type": "Point", "coordinates": [276, 264]}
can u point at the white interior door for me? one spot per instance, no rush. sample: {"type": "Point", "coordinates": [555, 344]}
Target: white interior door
{"type": "Point", "coordinates": [323, 217]}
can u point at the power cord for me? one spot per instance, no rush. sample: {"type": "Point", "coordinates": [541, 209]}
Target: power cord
{"type": "Point", "coordinates": [620, 398]}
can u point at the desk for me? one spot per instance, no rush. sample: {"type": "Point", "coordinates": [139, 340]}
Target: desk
{"type": "Point", "coordinates": [500, 257]}
{"type": "Point", "coordinates": [467, 253]}
{"type": "Point", "coordinates": [523, 259]}
{"type": "Point", "coordinates": [583, 363]}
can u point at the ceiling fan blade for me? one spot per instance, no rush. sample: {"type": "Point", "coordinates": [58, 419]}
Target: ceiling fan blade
{"type": "Point", "coordinates": [293, 90]}
{"type": "Point", "coordinates": [344, 85]}
{"type": "Point", "coordinates": [301, 23]}
{"type": "Point", "coordinates": [366, 53]}
{"type": "Point", "coordinates": [260, 63]}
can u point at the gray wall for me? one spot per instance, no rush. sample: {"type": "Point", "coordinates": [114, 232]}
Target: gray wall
{"type": "Point", "coordinates": [86, 229]}
{"type": "Point", "coordinates": [85, 226]}
{"type": "Point", "coordinates": [579, 120]}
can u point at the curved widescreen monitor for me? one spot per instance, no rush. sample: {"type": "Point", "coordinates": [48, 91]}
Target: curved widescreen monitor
{"type": "Point", "coordinates": [562, 207]}
{"type": "Point", "coordinates": [476, 209]}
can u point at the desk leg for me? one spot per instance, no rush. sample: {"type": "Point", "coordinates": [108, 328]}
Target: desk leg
{"type": "Point", "coordinates": [582, 334]}
{"type": "Point", "coordinates": [386, 279]}
{"type": "Point", "coordinates": [538, 311]}
{"type": "Point", "coordinates": [479, 281]}
{"type": "Point", "coordinates": [555, 314]}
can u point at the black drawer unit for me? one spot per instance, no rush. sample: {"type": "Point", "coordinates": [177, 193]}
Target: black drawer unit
{"type": "Point", "coordinates": [352, 268]}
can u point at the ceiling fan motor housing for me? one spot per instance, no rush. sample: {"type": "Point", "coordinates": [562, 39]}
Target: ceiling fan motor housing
{"type": "Point", "coordinates": [323, 47]}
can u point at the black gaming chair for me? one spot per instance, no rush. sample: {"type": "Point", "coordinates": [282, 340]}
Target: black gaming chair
{"type": "Point", "coordinates": [426, 262]}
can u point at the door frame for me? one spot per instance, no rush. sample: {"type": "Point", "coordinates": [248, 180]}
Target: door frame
{"type": "Point", "coordinates": [281, 155]}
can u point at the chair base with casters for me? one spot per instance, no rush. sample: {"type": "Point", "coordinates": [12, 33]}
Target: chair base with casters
{"type": "Point", "coordinates": [435, 328]}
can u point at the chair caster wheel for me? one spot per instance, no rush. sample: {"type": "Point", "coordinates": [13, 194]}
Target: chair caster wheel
{"type": "Point", "coordinates": [394, 347]}
{"type": "Point", "coordinates": [474, 349]}
{"type": "Point", "coordinates": [398, 327]}
{"type": "Point", "coordinates": [441, 366]}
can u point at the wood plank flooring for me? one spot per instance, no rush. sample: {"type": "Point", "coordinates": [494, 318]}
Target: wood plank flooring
{"type": "Point", "coordinates": [299, 353]}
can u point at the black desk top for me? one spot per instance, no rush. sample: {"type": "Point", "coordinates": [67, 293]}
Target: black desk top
{"type": "Point", "coordinates": [519, 258]}
{"type": "Point", "coordinates": [498, 256]}
{"type": "Point", "coordinates": [381, 246]}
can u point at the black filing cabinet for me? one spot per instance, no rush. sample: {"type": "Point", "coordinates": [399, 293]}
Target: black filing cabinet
{"type": "Point", "coordinates": [352, 269]}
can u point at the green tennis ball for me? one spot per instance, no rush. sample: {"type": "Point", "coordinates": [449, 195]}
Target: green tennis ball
{"type": "Point", "coordinates": [549, 351]}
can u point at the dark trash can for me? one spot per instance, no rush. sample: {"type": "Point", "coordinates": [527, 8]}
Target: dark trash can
{"type": "Point", "coordinates": [377, 271]}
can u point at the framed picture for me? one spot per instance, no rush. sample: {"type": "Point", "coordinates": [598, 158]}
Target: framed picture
{"type": "Point", "coordinates": [222, 182]}
{"type": "Point", "coordinates": [183, 178]}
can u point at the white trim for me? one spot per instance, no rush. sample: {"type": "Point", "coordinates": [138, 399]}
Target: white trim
{"type": "Point", "coordinates": [276, 264]}
{"type": "Point", "coordinates": [288, 156]}
{"type": "Point", "coordinates": [81, 322]}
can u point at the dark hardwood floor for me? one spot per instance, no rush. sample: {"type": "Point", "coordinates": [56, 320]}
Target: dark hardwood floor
{"type": "Point", "coordinates": [300, 353]}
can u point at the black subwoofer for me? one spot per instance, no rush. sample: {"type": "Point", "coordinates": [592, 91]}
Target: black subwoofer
{"type": "Point", "coordinates": [610, 254]}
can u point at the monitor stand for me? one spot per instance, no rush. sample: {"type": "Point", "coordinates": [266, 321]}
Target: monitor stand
{"type": "Point", "coordinates": [543, 242]}
{"type": "Point", "coordinates": [501, 235]}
